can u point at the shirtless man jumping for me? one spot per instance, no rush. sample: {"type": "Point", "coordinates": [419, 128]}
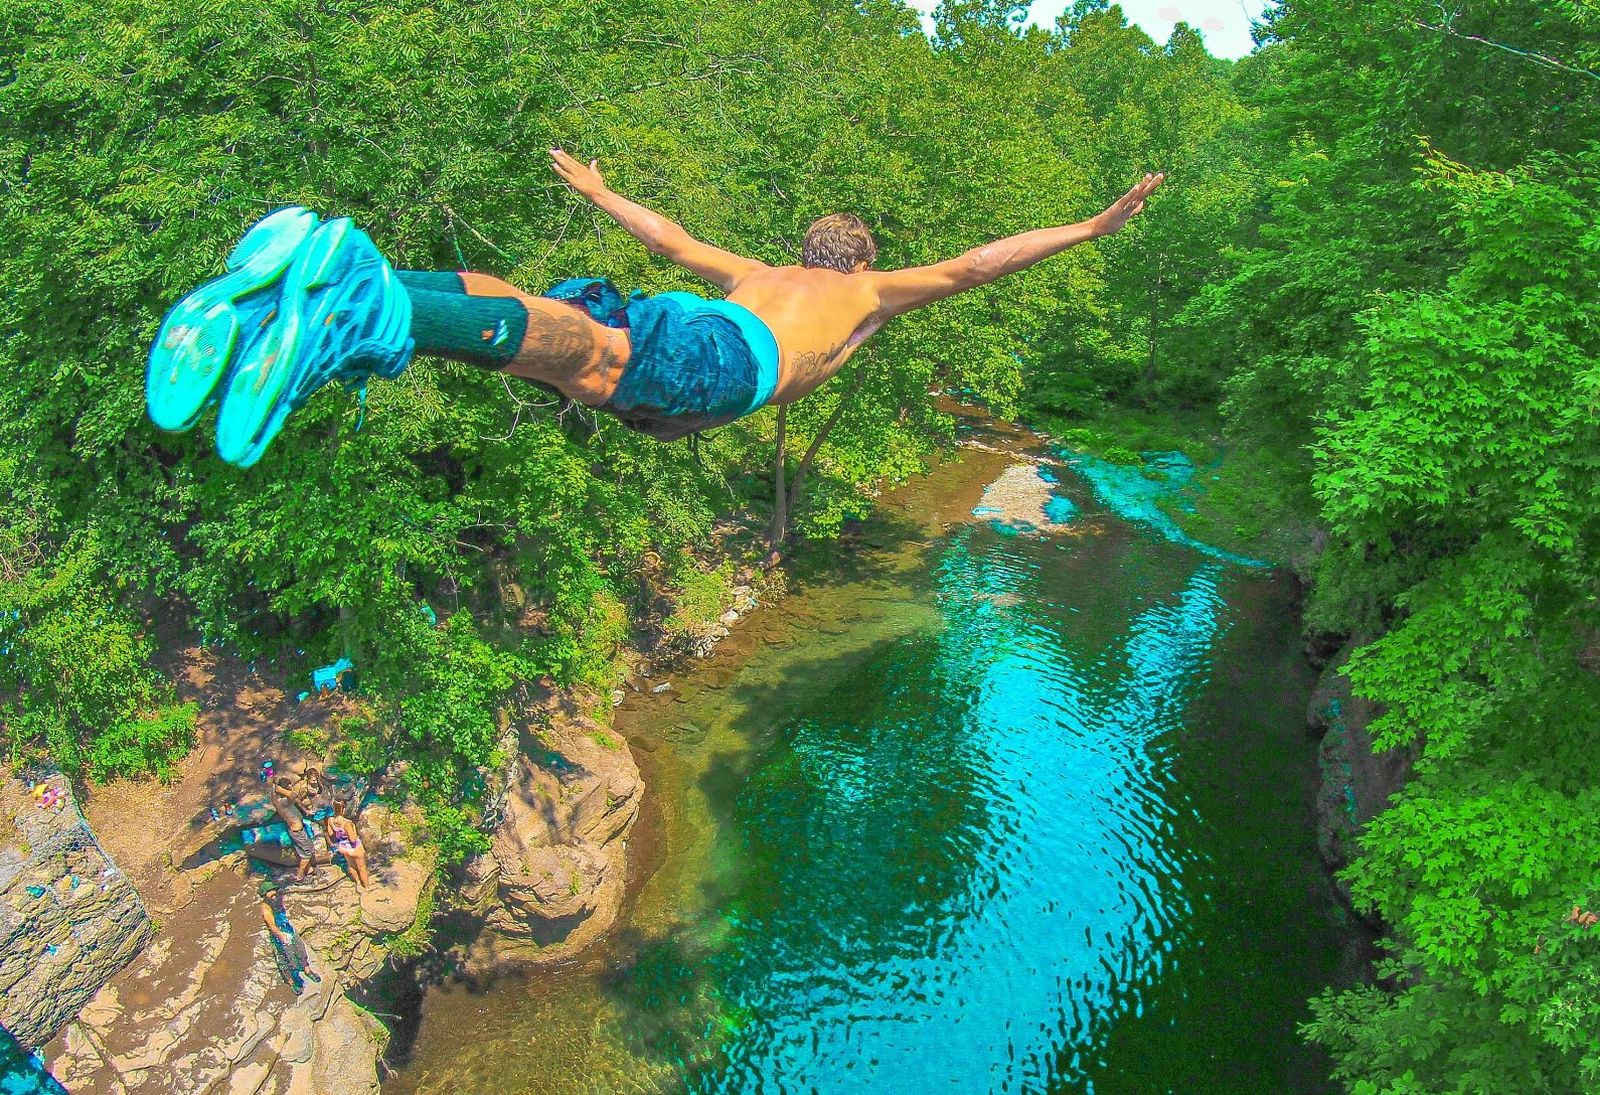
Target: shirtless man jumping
{"type": "Point", "coordinates": [305, 302]}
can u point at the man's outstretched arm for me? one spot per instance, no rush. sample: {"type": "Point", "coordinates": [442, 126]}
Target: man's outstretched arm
{"type": "Point", "coordinates": [662, 236]}
{"type": "Point", "coordinates": [900, 291]}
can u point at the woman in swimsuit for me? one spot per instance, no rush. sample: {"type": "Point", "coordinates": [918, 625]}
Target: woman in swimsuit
{"type": "Point", "coordinates": [345, 838]}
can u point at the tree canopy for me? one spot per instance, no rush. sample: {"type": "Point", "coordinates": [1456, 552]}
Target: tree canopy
{"type": "Point", "coordinates": [1377, 253]}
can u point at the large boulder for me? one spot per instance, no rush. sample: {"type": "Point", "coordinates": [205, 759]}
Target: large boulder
{"type": "Point", "coordinates": [390, 903]}
{"type": "Point", "coordinates": [558, 855]}
{"type": "Point", "coordinates": [346, 1045]}
{"type": "Point", "coordinates": [70, 920]}
{"type": "Point", "coordinates": [555, 883]}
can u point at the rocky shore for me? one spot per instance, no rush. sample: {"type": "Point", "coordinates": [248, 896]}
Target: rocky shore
{"type": "Point", "coordinates": [203, 1009]}
{"type": "Point", "coordinates": [1356, 782]}
{"type": "Point", "coordinates": [178, 992]}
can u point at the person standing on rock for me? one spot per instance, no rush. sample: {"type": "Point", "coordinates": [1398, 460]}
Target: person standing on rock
{"type": "Point", "coordinates": [315, 798]}
{"type": "Point", "coordinates": [287, 950]}
{"type": "Point", "coordinates": [283, 802]}
{"type": "Point", "coordinates": [345, 838]}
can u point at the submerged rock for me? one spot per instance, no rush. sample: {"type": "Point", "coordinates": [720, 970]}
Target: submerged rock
{"type": "Point", "coordinates": [1023, 500]}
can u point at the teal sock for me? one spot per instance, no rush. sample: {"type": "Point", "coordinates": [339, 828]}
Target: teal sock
{"type": "Point", "coordinates": [440, 281]}
{"type": "Point", "coordinates": [482, 331]}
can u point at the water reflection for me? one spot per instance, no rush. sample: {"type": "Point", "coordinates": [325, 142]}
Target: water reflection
{"type": "Point", "coordinates": [968, 868]}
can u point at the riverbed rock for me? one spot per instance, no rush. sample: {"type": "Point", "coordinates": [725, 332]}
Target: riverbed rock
{"type": "Point", "coordinates": [1356, 782]}
{"type": "Point", "coordinates": [389, 904]}
{"type": "Point", "coordinates": [70, 920]}
{"type": "Point", "coordinates": [560, 851]}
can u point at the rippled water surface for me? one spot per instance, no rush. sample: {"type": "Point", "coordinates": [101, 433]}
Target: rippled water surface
{"type": "Point", "coordinates": [983, 813]}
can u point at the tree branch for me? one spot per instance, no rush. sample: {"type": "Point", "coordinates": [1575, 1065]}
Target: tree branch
{"type": "Point", "coordinates": [1544, 60]}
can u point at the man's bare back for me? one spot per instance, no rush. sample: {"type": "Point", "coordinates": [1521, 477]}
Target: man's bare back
{"type": "Point", "coordinates": [819, 318]}
{"type": "Point", "coordinates": [667, 366]}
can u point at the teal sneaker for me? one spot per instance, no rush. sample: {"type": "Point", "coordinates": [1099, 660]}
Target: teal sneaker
{"type": "Point", "coordinates": [202, 332]}
{"type": "Point", "coordinates": [341, 315]}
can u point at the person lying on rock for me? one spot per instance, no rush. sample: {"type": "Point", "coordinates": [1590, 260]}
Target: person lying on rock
{"type": "Point", "coordinates": [288, 952]}
{"type": "Point", "coordinates": [304, 302]}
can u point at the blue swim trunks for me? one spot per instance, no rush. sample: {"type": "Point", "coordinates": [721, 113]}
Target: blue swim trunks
{"type": "Point", "coordinates": [695, 364]}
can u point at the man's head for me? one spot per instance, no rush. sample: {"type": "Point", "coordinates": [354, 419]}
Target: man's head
{"type": "Point", "coordinates": [839, 241]}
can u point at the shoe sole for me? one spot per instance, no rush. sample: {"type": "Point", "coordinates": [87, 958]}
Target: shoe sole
{"type": "Point", "coordinates": [198, 337]}
{"type": "Point", "coordinates": [279, 371]}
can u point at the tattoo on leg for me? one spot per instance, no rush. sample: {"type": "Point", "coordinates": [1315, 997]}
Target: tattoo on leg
{"type": "Point", "coordinates": [557, 347]}
{"type": "Point", "coordinates": [610, 367]}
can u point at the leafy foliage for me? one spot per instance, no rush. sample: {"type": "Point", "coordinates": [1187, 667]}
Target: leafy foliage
{"type": "Point", "coordinates": [136, 142]}
{"type": "Point", "coordinates": [1378, 250]}
{"type": "Point", "coordinates": [1412, 302]}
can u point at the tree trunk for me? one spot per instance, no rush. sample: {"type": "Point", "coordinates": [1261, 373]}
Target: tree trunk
{"type": "Point", "coordinates": [780, 509]}
{"type": "Point", "coordinates": [822, 435]}
{"type": "Point", "coordinates": [1155, 309]}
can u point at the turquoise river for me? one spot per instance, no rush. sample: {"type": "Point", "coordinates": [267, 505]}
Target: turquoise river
{"type": "Point", "coordinates": [965, 810]}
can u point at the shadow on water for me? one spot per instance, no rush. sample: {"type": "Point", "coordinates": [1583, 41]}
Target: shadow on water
{"type": "Point", "coordinates": [23, 1073]}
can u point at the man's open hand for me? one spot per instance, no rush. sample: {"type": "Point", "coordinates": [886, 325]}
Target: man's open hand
{"type": "Point", "coordinates": [585, 180]}
{"type": "Point", "coordinates": [1125, 208]}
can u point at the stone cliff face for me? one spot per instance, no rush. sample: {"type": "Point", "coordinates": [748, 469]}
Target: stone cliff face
{"type": "Point", "coordinates": [203, 1009]}
{"type": "Point", "coordinates": [553, 880]}
{"type": "Point", "coordinates": [69, 918]}
{"type": "Point", "coordinates": [1357, 783]}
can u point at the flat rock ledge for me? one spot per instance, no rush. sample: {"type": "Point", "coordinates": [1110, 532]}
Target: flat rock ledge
{"type": "Point", "coordinates": [202, 1010]}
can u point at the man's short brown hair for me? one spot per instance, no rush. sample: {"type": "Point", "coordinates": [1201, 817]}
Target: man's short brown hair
{"type": "Point", "coordinates": [838, 242]}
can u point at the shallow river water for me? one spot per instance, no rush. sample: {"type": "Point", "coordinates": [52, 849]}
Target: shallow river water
{"type": "Point", "coordinates": [966, 811]}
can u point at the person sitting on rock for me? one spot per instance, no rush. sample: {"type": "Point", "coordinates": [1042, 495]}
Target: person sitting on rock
{"type": "Point", "coordinates": [284, 792]}
{"type": "Point", "coordinates": [345, 838]}
{"type": "Point", "coordinates": [316, 800]}
{"type": "Point", "coordinates": [304, 303]}
{"type": "Point", "coordinates": [287, 950]}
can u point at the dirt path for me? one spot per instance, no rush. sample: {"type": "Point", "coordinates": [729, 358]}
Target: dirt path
{"type": "Point", "coordinates": [245, 718]}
